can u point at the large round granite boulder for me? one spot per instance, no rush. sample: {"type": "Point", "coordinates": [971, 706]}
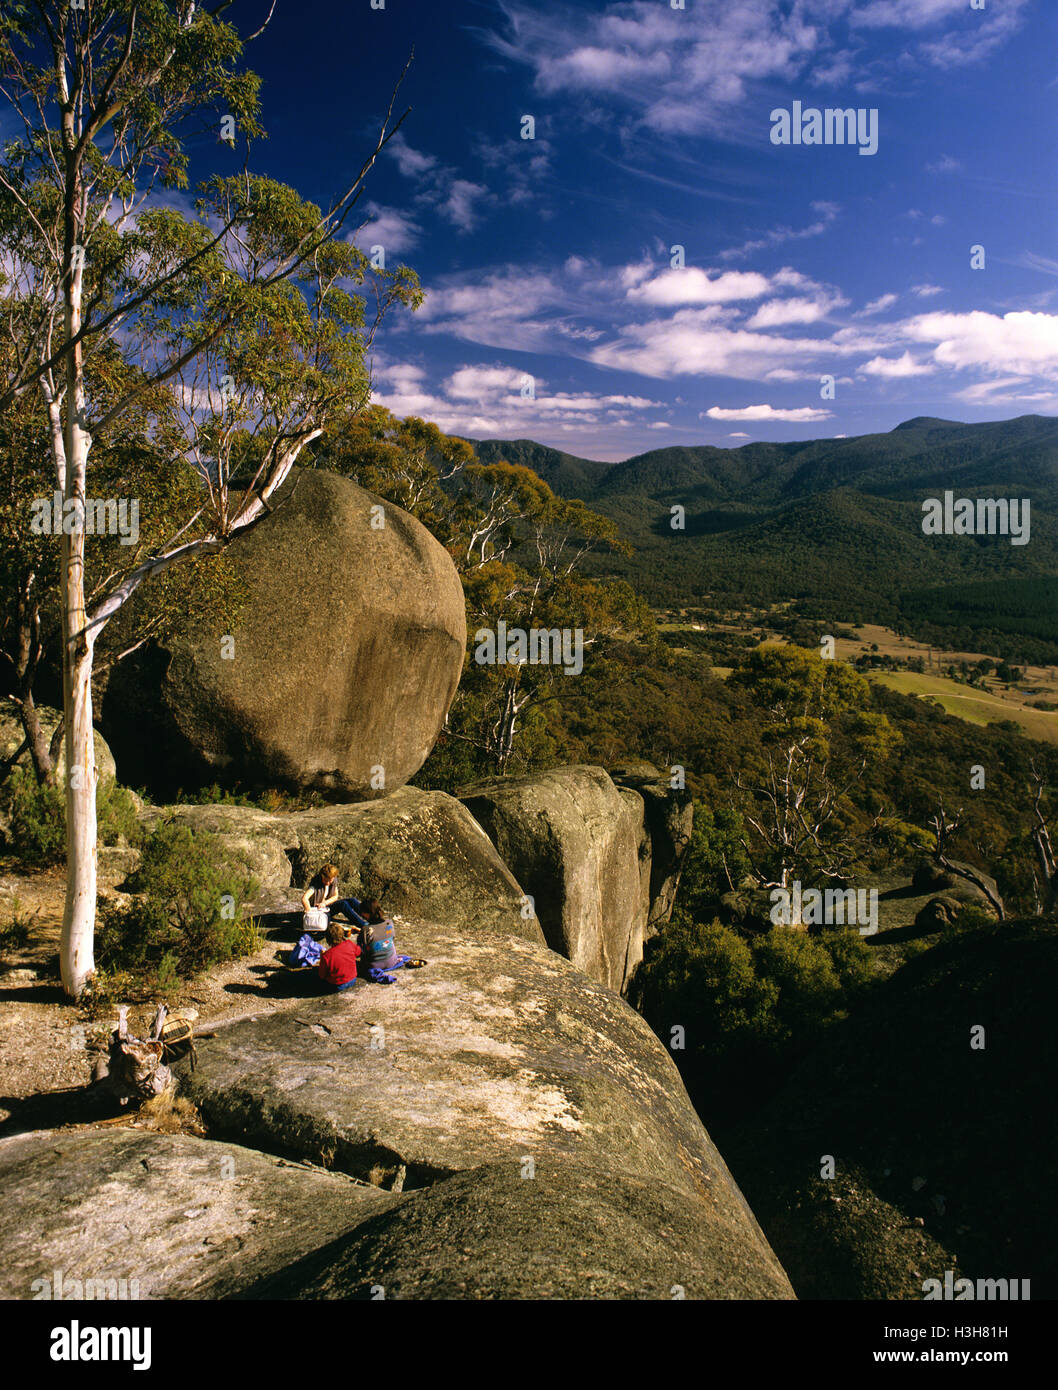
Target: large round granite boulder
{"type": "Point", "coordinates": [337, 677]}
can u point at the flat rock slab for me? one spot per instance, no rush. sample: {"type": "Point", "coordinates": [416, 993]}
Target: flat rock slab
{"type": "Point", "coordinates": [496, 1053]}
{"type": "Point", "coordinates": [180, 1216]}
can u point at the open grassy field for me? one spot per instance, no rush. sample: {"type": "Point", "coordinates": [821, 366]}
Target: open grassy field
{"type": "Point", "coordinates": [995, 701]}
{"type": "Point", "coordinates": [975, 706]}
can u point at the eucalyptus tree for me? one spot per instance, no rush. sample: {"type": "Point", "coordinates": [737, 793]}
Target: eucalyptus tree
{"type": "Point", "coordinates": [242, 302]}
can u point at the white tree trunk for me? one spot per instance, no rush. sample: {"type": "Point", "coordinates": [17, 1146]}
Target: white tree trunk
{"type": "Point", "coordinates": [78, 927]}
{"type": "Point", "coordinates": [77, 959]}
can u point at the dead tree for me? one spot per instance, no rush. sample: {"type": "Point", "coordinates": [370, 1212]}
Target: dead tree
{"type": "Point", "coordinates": [1045, 874]}
{"type": "Point", "coordinates": [944, 829]}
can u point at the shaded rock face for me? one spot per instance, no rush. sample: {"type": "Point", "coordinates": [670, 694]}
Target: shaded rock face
{"type": "Point", "coordinates": [944, 1154]}
{"type": "Point", "coordinates": [668, 820]}
{"type": "Point", "coordinates": [569, 1232]}
{"type": "Point", "coordinates": [421, 852]}
{"type": "Point", "coordinates": [583, 848]}
{"type": "Point", "coordinates": [938, 913]}
{"type": "Point", "coordinates": [545, 1144]}
{"type": "Point", "coordinates": [180, 1216]}
{"type": "Point", "coordinates": [11, 736]}
{"type": "Point", "coordinates": [346, 659]}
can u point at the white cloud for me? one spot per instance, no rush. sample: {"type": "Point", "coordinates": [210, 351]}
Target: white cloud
{"type": "Point", "coordinates": [739, 434]}
{"type": "Point", "coordinates": [828, 212]}
{"type": "Point", "coordinates": [389, 228]}
{"type": "Point", "coordinates": [679, 70]}
{"type": "Point", "coordinates": [896, 367]}
{"type": "Point", "coordinates": [877, 306]}
{"type": "Point", "coordinates": [684, 72]}
{"type": "Point", "coordinates": [927, 291]}
{"type": "Point", "coordinates": [1017, 342]}
{"type": "Point", "coordinates": [691, 285]}
{"type": "Point", "coordinates": [460, 205]}
{"type": "Point", "coordinates": [691, 343]}
{"type": "Point", "coordinates": [778, 312]}
{"type": "Point", "coordinates": [486, 400]}
{"type": "Point", "coordinates": [946, 164]}
{"type": "Point", "coordinates": [803, 415]}
{"type": "Point", "coordinates": [412, 163]}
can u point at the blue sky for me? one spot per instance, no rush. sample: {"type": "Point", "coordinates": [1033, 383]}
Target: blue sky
{"type": "Point", "coordinates": [550, 259]}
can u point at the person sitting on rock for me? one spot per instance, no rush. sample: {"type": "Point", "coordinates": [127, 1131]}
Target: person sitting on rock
{"type": "Point", "coordinates": [322, 895]}
{"type": "Point", "coordinates": [338, 964]}
{"type": "Point", "coordinates": [380, 952]}
{"type": "Point", "coordinates": [377, 936]}
{"type": "Point", "coordinates": [322, 891]}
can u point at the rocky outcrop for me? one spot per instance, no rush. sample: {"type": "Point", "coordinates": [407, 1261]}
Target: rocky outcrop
{"type": "Point", "coordinates": [421, 852]}
{"type": "Point", "coordinates": [668, 820]}
{"type": "Point", "coordinates": [568, 1233]}
{"type": "Point", "coordinates": [170, 1215]}
{"type": "Point", "coordinates": [583, 848]}
{"type": "Point", "coordinates": [492, 1126]}
{"type": "Point", "coordinates": [339, 673]}
{"type": "Point", "coordinates": [11, 736]}
{"type": "Point", "coordinates": [542, 1137]}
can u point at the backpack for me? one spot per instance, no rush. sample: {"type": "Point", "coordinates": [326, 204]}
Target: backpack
{"type": "Point", "coordinates": [315, 919]}
{"type": "Point", "coordinates": [380, 951]}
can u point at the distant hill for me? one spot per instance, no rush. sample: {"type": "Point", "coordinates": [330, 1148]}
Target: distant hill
{"type": "Point", "coordinates": [565, 474]}
{"type": "Point", "coordinates": [835, 524]}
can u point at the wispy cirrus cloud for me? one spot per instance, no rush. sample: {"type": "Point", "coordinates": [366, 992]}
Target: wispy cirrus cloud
{"type": "Point", "coordinates": [827, 215]}
{"type": "Point", "coordinates": [684, 71]}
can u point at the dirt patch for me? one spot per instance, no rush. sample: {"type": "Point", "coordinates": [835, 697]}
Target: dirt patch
{"type": "Point", "coordinates": [46, 1042]}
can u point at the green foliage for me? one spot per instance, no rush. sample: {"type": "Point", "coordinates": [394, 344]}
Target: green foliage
{"type": "Point", "coordinates": [716, 861]}
{"type": "Point", "coordinates": [15, 933]}
{"type": "Point", "coordinates": [105, 989]}
{"type": "Point", "coordinates": [187, 916]}
{"type": "Point", "coordinates": [270, 799]}
{"type": "Point", "coordinates": [750, 1008]}
{"type": "Point", "coordinates": [36, 829]}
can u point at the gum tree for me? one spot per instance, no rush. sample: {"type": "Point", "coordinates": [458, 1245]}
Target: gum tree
{"type": "Point", "coordinates": [818, 738]}
{"type": "Point", "coordinates": [244, 304]}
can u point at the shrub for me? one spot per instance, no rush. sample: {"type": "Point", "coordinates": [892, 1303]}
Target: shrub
{"type": "Point", "coordinates": [852, 961]}
{"type": "Point", "coordinates": [750, 1009]}
{"type": "Point", "coordinates": [186, 916]}
{"type": "Point", "coordinates": [105, 990]}
{"type": "Point", "coordinates": [36, 828]}
{"type": "Point", "coordinates": [15, 934]}
{"type": "Point", "coordinates": [37, 817]}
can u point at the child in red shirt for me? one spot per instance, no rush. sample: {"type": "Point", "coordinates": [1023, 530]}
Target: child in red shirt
{"type": "Point", "coordinates": [338, 965]}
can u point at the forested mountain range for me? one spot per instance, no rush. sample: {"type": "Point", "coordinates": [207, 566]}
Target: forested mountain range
{"type": "Point", "coordinates": [836, 526]}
